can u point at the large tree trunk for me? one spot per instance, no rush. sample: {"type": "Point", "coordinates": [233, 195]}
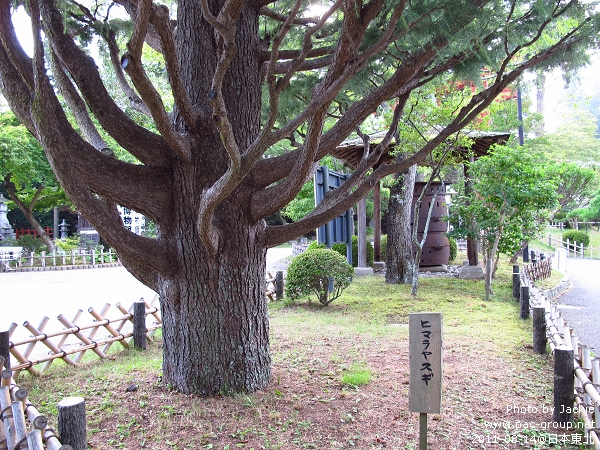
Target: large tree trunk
{"type": "Point", "coordinates": [215, 322]}
{"type": "Point", "coordinates": [400, 261]}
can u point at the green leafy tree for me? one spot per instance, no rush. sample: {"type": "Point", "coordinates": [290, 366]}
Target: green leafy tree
{"type": "Point", "coordinates": [27, 176]}
{"type": "Point", "coordinates": [511, 199]}
{"type": "Point", "coordinates": [576, 184]}
{"type": "Point", "coordinates": [201, 175]}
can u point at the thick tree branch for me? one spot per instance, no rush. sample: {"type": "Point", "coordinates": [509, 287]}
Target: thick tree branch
{"type": "Point", "coordinates": [292, 54]}
{"type": "Point", "coordinates": [312, 64]}
{"type": "Point", "coordinates": [336, 201]}
{"type": "Point", "coordinates": [76, 105]}
{"type": "Point", "coordinates": [16, 54]}
{"type": "Point", "coordinates": [63, 157]}
{"type": "Point", "coordinates": [267, 12]}
{"type": "Point", "coordinates": [16, 91]}
{"type": "Point", "coordinates": [144, 145]}
{"type": "Point", "coordinates": [115, 58]}
{"type": "Point", "coordinates": [140, 28]}
{"type": "Point", "coordinates": [225, 27]}
{"type": "Point", "coordinates": [152, 37]}
{"type": "Point", "coordinates": [162, 23]}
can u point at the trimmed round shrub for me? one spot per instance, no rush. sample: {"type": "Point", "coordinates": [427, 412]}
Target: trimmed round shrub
{"type": "Point", "coordinates": [314, 271]}
{"type": "Point", "coordinates": [581, 237]}
{"type": "Point", "coordinates": [453, 248]}
{"type": "Point", "coordinates": [383, 245]}
{"type": "Point", "coordinates": [341, 249]}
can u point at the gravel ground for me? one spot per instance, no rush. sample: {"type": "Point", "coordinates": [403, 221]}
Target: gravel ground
{"type": "Point", "coordinates": [580, 305]}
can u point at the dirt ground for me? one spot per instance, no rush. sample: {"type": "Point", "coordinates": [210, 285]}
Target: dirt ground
{"type": "Point", "coordinates": [490, 401]}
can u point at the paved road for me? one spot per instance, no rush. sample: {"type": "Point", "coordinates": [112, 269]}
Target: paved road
{"type": "Point", "coordinates": [580, 305]}
{"type": "Point", "coordinates": [33, 295]}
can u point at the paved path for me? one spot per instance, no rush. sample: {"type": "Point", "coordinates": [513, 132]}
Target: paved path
{"type": "Point", "coordinates": [33, 295]}
{"type": "Point", "coordinates": [580, 305]}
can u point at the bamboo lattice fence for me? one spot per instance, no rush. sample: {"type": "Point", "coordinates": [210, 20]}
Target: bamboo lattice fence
{"type": "Point", "coordinates": [23, 427]}
{"type": "Point", "coordinates": [550, 328]}
{"type": "Point", "coordinates": [97, 332]}
{"type": "Point", "coordinates": [539, 270]}
{"type": "Point", "coordinates": [84, 334]}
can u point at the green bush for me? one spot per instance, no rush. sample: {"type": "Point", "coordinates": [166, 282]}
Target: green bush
{"type": "Point", "coordinates": [383, 245]}
{"type": "Point", "coordinates": [453, 248]}
{"type": "Point", "coordinates": [341, 249]}
{"type": "Point", "coordinates": [314, 245]}
{"type": "Point", "coordinates": [67, 245]}
{"type": "Point", "coordinates": [581, 237]}
{"type": "Point", "coordinates": [311, 272]}
{"type": "Point", "coordinates": [31, 243]}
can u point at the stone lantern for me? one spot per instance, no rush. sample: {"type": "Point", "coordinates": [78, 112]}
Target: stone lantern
{"type": "Point", "coordinates": [5, 227]}
{"type": "Point", "coordinates": [64, 226]}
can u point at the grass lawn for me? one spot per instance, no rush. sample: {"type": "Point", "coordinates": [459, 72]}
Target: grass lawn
{"type": "Point", "coordinates": [339, 380]}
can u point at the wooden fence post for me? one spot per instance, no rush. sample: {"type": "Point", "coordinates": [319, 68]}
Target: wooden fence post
{"type": "Point", "coordinates": [5, 348]}
{"type": "Point", "coordinates": [279, 285]}
{"type": "Point", "coordinates": [564, 384]}
{"type": "Point", "coordinates": [539, 330]}
{"type": "Point", "coordinates": [524, 302]}
{"type": "Point", "coordinates": [72, 422]}
{"type": "Point", "coordinates": [139, 325]}
{"type": "Point", "coordinates": [596, 380]}
{"type": "Point", "coordinates": [516, 281]}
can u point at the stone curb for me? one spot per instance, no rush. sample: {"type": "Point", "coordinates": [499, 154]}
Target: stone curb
{"type": "Point", "coordinates": [557, 290]}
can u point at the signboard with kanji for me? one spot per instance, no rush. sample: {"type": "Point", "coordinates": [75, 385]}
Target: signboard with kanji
{"type": "Point", "coordinates": [425, 349]}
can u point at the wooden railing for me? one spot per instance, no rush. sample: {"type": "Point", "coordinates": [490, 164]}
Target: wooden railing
{"type": "Point", "coordinates": [576, 248]}
{"type": "Point", "coordinates": [27, 231]}
{"type": "Point", "coordinates": [78, 257]}
{"type": "Point", "coordinates": [576, 373]}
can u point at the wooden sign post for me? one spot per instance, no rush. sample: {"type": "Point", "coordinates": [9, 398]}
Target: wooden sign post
{"type": "Point", "coordinates": [425, 347]}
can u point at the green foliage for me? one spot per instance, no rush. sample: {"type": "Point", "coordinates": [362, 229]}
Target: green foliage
{"type": "Point", "coordinates": [453, 248]}
{"type": "Point", "coordinates": [315, 245]}
{"type": "Point", "coordinates": [588, 214]}
{"type": "Point", "coordinates": [383, 245]}
{"type": "Point", "coordinates": [311, 272]}
{"type": "Point", "coordinates": [578, 236]}
{"type": "Point", "coordinates": [575, 184]}
{"type": "Point", "coordinates": [69, 244]}
{"type": "Point", "coordinates": [511, 199]}
{"type": "Point", "coordinates": [341, 249]}
{"type": "Point", "coordinates": [575, 141]}
{"type": "Point", "coordinates": [31, 243]}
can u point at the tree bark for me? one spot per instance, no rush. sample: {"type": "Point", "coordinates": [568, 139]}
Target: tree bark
{"type": "Point", "coordinates": [214, 310]}
{"type": "Point", "coordinates": [400, 258]}
{"type": "Point", "coordinates": [472, 244]}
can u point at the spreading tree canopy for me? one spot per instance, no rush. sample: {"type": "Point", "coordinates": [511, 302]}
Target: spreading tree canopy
{"type": "Point", "coordinates": [244, 76]}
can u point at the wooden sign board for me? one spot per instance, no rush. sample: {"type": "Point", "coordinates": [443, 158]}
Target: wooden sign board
{"type": "Point", "coordinates": [425, 348]}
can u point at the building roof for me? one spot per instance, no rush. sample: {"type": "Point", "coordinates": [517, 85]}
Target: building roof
{"type": "Point", "coordinates": [351, 150]}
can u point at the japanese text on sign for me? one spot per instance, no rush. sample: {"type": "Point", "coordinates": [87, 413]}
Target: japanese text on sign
{"type": "Point", "coordinates": [425, 344]}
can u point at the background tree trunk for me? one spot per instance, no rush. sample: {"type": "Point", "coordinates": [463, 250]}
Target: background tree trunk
{"type": "Point", "coordinates": [400, 262]}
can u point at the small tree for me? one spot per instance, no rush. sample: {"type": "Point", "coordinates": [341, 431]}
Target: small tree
{"type": "Point", "coordinates": [510, 201]}
{"type": "Point", "coordinates": [314, 271]}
